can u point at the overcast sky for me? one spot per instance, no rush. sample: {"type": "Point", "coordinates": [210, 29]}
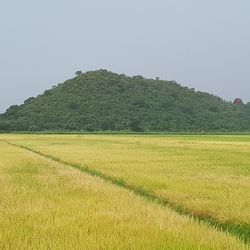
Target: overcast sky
{"type": "Point", "coordinates": [203, 44]}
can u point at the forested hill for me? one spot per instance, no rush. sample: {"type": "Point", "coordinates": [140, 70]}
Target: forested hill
{"type": "Point", "coordinates": [101, 100]}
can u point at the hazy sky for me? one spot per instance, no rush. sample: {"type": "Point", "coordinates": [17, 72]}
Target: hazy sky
{"type": "Point", "coordinates": [203, 44]}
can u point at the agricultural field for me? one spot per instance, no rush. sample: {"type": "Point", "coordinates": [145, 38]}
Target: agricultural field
{"type": "Point", "coordinates": [124, 192]}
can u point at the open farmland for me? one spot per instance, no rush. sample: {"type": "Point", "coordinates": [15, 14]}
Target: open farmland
{"type": "Point", "coordinates": [124, 192]}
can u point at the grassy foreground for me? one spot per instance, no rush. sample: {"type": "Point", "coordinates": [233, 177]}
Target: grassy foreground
{"type": "Point", "coordinates": [45, 204]}
{"type": "Point", "coordinates": [209, 175]}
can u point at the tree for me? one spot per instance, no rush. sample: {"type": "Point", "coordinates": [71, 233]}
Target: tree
{"type": "Point", "coordinates": [107, 124]}
{"type": "Point", "coordinates": [34, 128]}
{"type": "Point", "coordinates": [4, 126]}
{"type": "Point", "coordinates": [135, 125]}
{"type": "Point", "coordinates": [78, 73]}
{"type": "Point", "coordinates": [74, 105]}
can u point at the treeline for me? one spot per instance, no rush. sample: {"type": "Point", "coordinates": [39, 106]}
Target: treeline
{"type": "Point", "coordinates": [104, 101]}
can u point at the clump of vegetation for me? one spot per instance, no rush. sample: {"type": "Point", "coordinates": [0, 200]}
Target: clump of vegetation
{"type": "Point", "coordinates": [101, 101]}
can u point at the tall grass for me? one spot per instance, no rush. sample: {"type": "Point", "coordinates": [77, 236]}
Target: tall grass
{"type": "Point", "coordinates": [206, 175]}
{"type": "Point", "coordinates": [47, 205]}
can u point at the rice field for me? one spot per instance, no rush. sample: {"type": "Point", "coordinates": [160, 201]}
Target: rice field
{"type": "Point", "coordinates": [124, 192]}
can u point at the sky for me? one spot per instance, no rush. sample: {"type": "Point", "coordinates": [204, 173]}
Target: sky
{"type": "Point", "coordinates": [202, 44]}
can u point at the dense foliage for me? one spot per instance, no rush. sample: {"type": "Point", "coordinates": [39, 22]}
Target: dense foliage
{"type": "Point", "coordinates": [101, 101]}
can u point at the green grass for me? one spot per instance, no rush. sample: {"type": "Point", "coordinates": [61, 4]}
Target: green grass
{"type": "Point", "coordinates": [163, 170]}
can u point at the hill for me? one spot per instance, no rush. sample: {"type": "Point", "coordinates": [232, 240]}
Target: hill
{"type": "Point", "coordinates": [102, 100]}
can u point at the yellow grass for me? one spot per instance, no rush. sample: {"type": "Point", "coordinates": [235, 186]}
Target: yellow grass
{"type": "Point", "coordinates": [208, 175]}
{"type": "Point", "coordinates": [44, 204]}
